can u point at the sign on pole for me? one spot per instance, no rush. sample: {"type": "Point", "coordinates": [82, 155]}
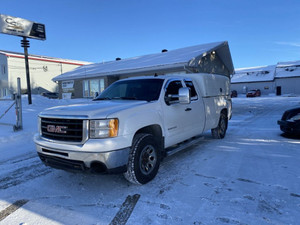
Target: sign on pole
{"type": "Point", "coordinates": [26, 29]}
{"type": "Point", "coordinates": [21, 27]}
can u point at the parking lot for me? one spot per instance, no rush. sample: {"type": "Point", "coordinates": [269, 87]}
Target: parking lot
{"type": "Point", "coordinates": [252, 176]}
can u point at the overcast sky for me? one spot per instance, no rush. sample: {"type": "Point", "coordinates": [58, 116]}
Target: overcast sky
{"type": "Point", "coordinates": [259, 32]}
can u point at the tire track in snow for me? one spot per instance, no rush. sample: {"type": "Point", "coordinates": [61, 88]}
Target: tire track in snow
{"type": "Point", "coordinates": [23, 174]}
{"type": "Point", "coordinates": [17, 159]}
{"type": "Point", "coordinates": [125, 211]}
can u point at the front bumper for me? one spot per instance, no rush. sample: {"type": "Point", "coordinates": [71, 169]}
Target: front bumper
{"type": "Point", "coordinates": [82, 157]}
{"type": "Point", "coordinates": [289, 127]}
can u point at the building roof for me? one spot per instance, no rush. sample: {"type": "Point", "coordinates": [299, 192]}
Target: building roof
{"type": "Point", "coordinates": [267, 73]}
{"type": "Point", "coordinates": [287, 64]}
{"type": "Point", "coordinates": [43, 58]}
{"type": "Point", "coordinates": [165, 61]}
{"type": "Point", "coordinates": [254, 74]}
{"type": "Point", "coordinates": [288, 69]}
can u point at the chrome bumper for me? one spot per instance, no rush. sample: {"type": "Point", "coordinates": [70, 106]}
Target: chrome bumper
{"type": "Point", "coordinates": [101, 161]}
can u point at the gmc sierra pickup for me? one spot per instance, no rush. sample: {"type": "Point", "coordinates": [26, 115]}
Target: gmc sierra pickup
{"type": "Point", "coordinates": [133, 124]}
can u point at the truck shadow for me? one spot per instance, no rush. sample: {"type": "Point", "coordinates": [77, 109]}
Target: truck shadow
{"type": "Point", "coordinates": [290, 136]}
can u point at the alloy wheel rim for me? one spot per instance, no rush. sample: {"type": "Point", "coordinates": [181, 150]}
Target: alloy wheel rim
{"type": "Point", "coordinates": [148, 159]}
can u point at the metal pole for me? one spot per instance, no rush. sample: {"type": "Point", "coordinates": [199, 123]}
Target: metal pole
{"type": "Point", "coordinates": [25, 45]}
{"type": "Point", "coordinates": [19, 106]}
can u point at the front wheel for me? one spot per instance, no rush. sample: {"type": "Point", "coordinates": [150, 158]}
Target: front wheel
{"type": "Point", "coordinates": [220, 131]}
{"type": "Point", "coordinates": [144, 159]}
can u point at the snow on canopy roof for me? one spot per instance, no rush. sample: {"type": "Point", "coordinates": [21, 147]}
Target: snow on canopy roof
{"type": "Point", "coordinates": [288, 69]}
{"type": "Point", "coordinates": [254, 74]}
{"type": "Point", "coordinates": [172, 59]}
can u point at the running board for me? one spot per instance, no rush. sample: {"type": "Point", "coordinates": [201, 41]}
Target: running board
{"type": "Point", "coordinates": [183, 145]}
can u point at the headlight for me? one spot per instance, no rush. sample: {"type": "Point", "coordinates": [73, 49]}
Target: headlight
{"type": "Point", "coordinates": [104, 128]}
{"type": "Point", "coordinates": [296, 117]}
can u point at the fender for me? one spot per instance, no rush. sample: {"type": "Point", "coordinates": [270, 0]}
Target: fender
{"type": "Point", "coordinates": [133, 119]}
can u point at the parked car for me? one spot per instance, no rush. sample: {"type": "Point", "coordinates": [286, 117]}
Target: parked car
{"type": "Point", "coordinates": [253, 93]}
{"type": "Point", "coordinates": [53, 95]}
{"type": "Point", "coordinates": [234, 94]}
{"type": "Point", "coordinates": [290, 122]}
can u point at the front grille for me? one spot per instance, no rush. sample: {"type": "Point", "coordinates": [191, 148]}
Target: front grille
{"type": "Point", "coordinates": [69, 130]}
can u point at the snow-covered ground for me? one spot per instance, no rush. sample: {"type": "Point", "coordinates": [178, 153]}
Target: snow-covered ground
{"type": "Point", "coordinates": [250, 177]}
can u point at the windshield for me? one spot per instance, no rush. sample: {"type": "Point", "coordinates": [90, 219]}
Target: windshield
{"type": "Point", "coordinates": [141, 89]}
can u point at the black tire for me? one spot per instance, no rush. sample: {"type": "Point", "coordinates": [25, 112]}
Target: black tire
{"type": "Point", "coordinates": [144, 159]}
{"type": "Point", "coordinates": [220, 131]}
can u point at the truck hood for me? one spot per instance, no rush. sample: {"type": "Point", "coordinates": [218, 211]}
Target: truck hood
{"type": "Point", "coordinates": [93, 110]}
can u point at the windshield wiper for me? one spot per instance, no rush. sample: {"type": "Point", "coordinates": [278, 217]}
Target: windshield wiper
{"type": "Point", "coordinates": [125, 98]}
{"type": "Point", "coordinates": [104, 98]}
{"type": "Point", "coordinates": [115, 98]}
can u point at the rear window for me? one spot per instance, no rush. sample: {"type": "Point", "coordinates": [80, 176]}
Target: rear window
{"type": "Point", "coordinates": [190, 85]}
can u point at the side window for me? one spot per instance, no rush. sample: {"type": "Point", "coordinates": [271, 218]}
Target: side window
{"type": "Point", "coordinates": [172, 89]}
{"type": "Point", "coordinates": [190, 85]}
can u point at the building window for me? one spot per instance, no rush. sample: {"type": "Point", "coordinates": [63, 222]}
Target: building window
{"type": "Point", "coordinates": [85, 88]}
{"type": "Point", "coordinates": [92, 87]}
{"type": "Point", "coordinates": [3, 70]}
{"type": "Point", "coordinates": [4, 92]}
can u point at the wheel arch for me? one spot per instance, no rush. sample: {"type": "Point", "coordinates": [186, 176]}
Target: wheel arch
{"type": "Point", "coordinates": [154, 130]}
{"type": "Point", "coordinates": [224, 111]}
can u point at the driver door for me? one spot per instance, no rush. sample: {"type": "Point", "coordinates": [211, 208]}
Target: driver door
{"type": "Point", "coordinates": [175, 114]}
{"type": "Point", "coordinates": [182, 121]}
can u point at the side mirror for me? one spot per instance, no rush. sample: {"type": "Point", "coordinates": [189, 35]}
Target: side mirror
{"type": "Point", "coordinates": [184, 95]}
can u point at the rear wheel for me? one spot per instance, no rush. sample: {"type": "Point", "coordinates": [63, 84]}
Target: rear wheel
{"type": "Point", "coordinates": [220, 131]}
{"type": "Point", "coordinates": [144, 159]}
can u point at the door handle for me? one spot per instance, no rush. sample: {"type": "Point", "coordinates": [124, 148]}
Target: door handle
{"type": "Point", "coordinates": [188, 109]}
